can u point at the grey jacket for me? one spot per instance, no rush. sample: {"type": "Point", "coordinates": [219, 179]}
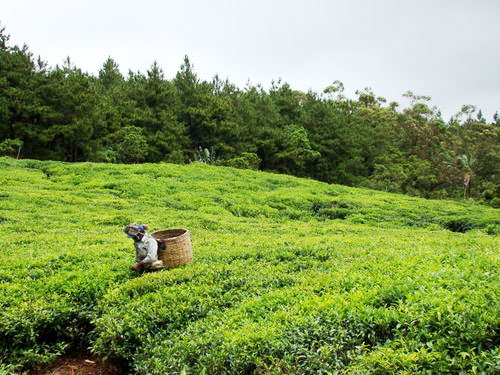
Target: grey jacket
{"type": "Point", "coordinates": [146, 250]}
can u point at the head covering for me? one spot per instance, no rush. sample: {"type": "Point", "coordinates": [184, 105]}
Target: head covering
{"type": "Point", "coordinates": [133, 229]}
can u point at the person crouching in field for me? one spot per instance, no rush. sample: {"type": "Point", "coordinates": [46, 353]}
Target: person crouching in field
{"type": "Point", "coordinates": [146, 248]}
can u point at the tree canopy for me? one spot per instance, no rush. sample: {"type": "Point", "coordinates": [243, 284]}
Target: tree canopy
{"type": "Point", "coordinates": [63, 113]}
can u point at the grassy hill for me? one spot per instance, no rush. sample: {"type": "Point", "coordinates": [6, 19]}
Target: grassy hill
{"type": "Point", "coordinates": [291, 276]}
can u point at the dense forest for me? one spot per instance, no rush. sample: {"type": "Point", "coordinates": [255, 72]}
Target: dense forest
{"type": "Point", "coordinates": [63, 113]}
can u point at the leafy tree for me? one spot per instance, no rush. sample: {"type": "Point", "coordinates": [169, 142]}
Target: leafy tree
{"type": "Point", "coordinates": [295, 151]}
{"type": "Point", "coordinates": [257, 119]}
{"type": "Point", "coordinates": [477, 146]}
{"type": "Point", "coordinates": [205, 115]}
{"type": "Point", "coordinates": [75, 112]}
{"type": "Point", "coordinates": [158, 103]}
{"type": "Point", "coordinates": [109, 74]}
{"type": "Point", "coordinates": [127, 145]}
{"type": "Point", "coordinates": [11, 147]}
{"type": "Point", "coordinates": [335, 91]}
{"type": "Point", "coordinates": [287, 101]}
{"type": "Point", "coordinates": [22, 108]}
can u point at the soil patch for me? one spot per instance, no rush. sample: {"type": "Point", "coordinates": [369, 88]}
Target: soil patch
{"type": "Point", "coordinates": [80, 363]}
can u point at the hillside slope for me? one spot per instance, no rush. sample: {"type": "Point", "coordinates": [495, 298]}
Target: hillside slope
{"type": "Point", "coordinates": [290, 275]}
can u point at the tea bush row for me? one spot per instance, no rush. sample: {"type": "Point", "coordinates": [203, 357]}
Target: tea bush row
{"type": "Point", "coordinates": [322, 322]}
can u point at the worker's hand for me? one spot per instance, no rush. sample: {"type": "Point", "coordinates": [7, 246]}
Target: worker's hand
{"type": "Point", "coordinates": [136, 267]}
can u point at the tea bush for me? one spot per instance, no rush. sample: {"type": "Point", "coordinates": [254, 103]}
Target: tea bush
{"type": "Point", "coordinates": [291, 276]}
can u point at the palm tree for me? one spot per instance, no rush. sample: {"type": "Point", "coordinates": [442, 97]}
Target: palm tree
{"type": "Point", "coordinates": [468, 163]}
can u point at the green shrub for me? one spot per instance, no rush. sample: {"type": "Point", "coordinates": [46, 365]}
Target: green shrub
{"type": "Point", "coordinates": [247, 160]}
{"type": "Point", "coordinates": [495, 203]}
{"type": "Point", "coordinates": [460, 225]}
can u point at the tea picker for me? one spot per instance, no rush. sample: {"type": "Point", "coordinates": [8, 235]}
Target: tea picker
{"type": "Point", "coordinates": [146, 248]}
{"type": "Point", "coordinates": [166, 248]}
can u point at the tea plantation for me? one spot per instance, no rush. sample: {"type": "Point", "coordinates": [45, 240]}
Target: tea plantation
{"type": "Point", "coordinates": [291, 276]}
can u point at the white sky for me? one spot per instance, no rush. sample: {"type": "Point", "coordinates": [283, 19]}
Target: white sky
{"type": "Point", "coordinates": [447, 49]}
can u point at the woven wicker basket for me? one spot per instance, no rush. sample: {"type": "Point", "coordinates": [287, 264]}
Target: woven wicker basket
{"type": "Point", "coordinates": [178, 251]}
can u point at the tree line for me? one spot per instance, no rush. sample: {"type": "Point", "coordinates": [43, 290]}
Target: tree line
{"type": "Point", "coordinates": [63, 113]}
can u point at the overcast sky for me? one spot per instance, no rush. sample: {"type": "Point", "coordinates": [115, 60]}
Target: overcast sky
{"type": "Point", "coordinates": [446, 49]}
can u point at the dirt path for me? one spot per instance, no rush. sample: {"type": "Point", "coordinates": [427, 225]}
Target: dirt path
{"type": "Point", "coordinates": [79, 363]}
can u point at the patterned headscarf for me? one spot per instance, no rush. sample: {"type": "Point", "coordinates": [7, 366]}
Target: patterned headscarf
{"type": "Point", "coordinates": [133, 229]}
